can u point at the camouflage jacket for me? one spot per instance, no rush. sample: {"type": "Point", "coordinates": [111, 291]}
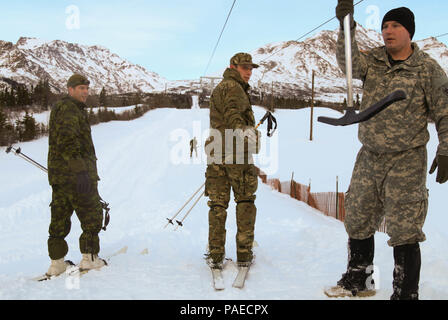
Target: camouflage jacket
{"type": "Point", "coordinates": [70, 142]}
{"type": "Point", "coordinates": [403, 125]}
{"type": "Point", "coordinates": [230, 106]}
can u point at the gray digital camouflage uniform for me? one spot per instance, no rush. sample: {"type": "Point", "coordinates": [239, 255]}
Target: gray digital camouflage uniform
{"type": "Point", "coordinates": [71, 151]}
{"type": "Point", "coordinates": [230, 108]}
{"type": "Point", "coordinates": [389, 177]}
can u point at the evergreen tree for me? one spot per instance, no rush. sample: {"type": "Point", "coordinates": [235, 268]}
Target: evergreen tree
{"type": "Point", "coordinates": [138, 111]}
{"type": "Point", "coordinates": [46, 94]}
{"type": "Point", "coordinates": [103, 97]}
{"type": "Point", "coordinates": [2, 98]}
{"type": "Point", "coordinates": [138, 98]}
{"type": "Point", "coordinates": [93, 118]}
{"type": "Point", "coordinates": [41, 94]}
{"type": "Point", "coordinates": [23, 96]}
{"type": "Point", "coordinates": [3, 119]}
{"type": "Point", "coordinates": [26, 128]}
{"type": "Point", "coordinates": [10, 98]}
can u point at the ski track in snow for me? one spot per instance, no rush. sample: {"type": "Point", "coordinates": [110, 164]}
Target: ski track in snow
{"type": "Point", "coordinates": [299, 251]}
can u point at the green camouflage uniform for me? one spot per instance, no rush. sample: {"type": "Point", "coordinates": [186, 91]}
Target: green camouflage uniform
{"type": "Point", "coordinates": [230, 108]}
{"type": "Point", "coordinates": [71, 151]}
{"type": "Point", "coordinates": [389, 177]}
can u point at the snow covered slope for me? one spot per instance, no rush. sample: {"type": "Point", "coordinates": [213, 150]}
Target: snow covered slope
{"type": "Point", "coordinates": [146, 175]}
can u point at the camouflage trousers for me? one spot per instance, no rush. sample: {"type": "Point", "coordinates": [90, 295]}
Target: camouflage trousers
{"type": "Point", "coordinates": [390, 186]}
{"type": "Point", "coordinates": [243, 180]}
{"type": "Point", "coordinates": [88, 208]}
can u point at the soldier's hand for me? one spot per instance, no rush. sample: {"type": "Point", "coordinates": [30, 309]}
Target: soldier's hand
{"type": "Point", "coordinates": [343, 8]}
{"type": "Point", "coordinates": [441, 162]}
{"type": "Point", "coordinates": [83, 184]}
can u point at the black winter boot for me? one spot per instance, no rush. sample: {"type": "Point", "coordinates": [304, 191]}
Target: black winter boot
{"type": "Point", "coordinates": [359, 269]}
{"type": "Point", "coordinates": [360, 257]}
{"type": "Point", "coordinates": [406, 272]}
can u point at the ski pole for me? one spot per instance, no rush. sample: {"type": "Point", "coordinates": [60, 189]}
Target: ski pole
{"type": "Point", "coordinates": [180, 223]}
{"type": "Point", "coordinates": [170, 221]}
{"type": "Point", "coordinates": [18, 152]}
{"type": "Point", "coordinates": [261, 121]}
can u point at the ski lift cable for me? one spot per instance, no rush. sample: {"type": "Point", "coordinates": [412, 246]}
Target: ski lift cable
{"type": "Point", "coordinates": [219, 38]}
{"type": "Point", "coordinates": [321, 25]}
{"type": "Point", "coordinates": [442, 35]}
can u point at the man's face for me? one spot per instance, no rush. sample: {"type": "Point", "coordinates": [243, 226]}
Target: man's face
{"type": "Point", "coordinates": [79, 93]}
{"type": "Point", "coordinates": [245, 71]}
{"type": "Point", "coordinates": [396, 37]}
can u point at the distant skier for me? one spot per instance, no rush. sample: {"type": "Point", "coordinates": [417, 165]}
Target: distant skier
{"type": "Point", "coordinates": [193, 146]}
{"type": "Point", "coordinates": [389, 177]}
{"type": "Point", "coordinates": [73, 176]}
{"type": "Point", "coordinates": [231, 111]}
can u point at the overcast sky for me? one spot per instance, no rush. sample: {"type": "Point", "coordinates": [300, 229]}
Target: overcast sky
{"type": "Point", "coordinates": [176, 38]}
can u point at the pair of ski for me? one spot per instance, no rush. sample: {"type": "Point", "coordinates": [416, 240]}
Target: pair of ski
{"type": "Point", "coordinates": [218, 280]}
{"type": "Point", "coordinates": [74, 270]}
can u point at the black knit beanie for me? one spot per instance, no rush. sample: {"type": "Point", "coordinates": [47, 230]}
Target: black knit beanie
{"type": "Point", "coordinates": [402, 15]}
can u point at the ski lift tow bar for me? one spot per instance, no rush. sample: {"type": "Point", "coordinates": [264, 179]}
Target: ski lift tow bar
{"type": "Point", "coordinates": [351, 116]}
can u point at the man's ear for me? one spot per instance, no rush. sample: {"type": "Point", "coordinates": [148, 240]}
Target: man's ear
{"type": "Point", "coordinates": [232, 66]}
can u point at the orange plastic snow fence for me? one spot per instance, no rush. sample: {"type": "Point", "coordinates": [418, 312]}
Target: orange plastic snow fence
{"type": "Point", "coordinates": [329, 203]}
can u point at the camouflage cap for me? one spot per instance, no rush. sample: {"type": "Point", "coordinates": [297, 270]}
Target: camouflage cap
{"type": "Point", "coordinates": [76, 80]}
{"type": "Point", "coordinates": [243, 58]}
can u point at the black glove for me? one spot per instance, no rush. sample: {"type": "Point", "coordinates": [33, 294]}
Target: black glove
{"type": "Point", "coordinates": [83, 184]}
{"type": "Point", "coordinates": [442, 173]}
{"type": "Point", "coordinates": [343, 8]}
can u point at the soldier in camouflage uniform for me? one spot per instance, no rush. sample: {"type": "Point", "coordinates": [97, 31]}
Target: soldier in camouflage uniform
{"type": "Point", "coordinates": [389, 177]}
{"type": "Point", "coordinates": [232, 168]}
{"type": "Point", "coordinates": [73, 176]}
{"type": "Point", "coordinates": [193, 146]}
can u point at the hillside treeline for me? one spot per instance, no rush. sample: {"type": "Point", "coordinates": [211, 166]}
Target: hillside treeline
{"type": "Point", "coordinates": [18, 103]}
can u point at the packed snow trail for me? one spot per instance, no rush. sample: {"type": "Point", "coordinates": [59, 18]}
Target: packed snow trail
{"type": "Point", "coordinates": [300, 250]}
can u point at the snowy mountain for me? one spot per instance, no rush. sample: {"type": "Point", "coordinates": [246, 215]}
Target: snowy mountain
{"type": "Point", "coordinates": [30, 60]}
{"type": "Point", "coordinates": [291, 63]}
{"type": "Point", "coordinates": [288, 64]}
{"type": "Point", "coordinates": [437, 50]}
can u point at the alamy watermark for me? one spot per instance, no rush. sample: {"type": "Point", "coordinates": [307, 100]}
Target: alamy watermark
{"type": "Point", "coordinates": [228, 147]}
{"type": "Point", "coordinates": [373, 280]}
{"type": "Point", "coordinates": [72, 281]}
{"type": "Point", "coordinates": [73, 21]}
